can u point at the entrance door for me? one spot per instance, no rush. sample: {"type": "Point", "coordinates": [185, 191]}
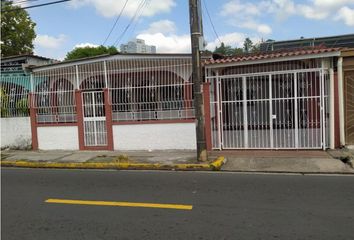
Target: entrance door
{"type": "Point", "coordinates": [284, 110]}
{"type": "Point", "coordinates": [95, 131]}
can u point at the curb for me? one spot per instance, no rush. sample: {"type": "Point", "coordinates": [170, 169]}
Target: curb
{"type": "Point", "coordinates": [215, 165]}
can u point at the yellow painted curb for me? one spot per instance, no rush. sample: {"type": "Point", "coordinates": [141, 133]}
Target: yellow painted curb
{"type": "Point", "coordinates": [216, 165]}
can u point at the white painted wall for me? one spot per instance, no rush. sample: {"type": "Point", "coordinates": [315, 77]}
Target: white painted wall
{"type": "Point", "coordinates": [58, 138]}
{"type": "Point", "coordinates": [16, 132]}
{"type": "Point", "coordinates": [154, 136]}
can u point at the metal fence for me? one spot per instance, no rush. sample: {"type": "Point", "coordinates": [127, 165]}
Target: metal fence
{"type": "Point", "coordinates": [270, 110]}
{"type": "Point", "coordinates": [145, 88]}
{"type": "Point", "coordinates": [54, 95]}
{"type": "Point", "coordinates": [14, 95]}
{"type": "Point", "coordinates": [150, 89]}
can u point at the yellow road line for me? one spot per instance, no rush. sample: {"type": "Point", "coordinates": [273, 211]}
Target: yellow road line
{"type": "Point", "coordinates": [121, 204]}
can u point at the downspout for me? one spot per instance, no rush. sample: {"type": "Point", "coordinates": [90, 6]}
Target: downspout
{"type": "Point", "coordinates": [331, 108]}
{"type": "Point", "coordinates": [341, 101]}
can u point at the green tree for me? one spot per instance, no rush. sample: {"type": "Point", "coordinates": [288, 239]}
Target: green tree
{"type": "Point", "coordinates": [83, 52]}
{"type": "Point", "coordinates": [22, 106]}
{"type": "Point", "coordinates": [224, 49]}
{"type": "Point", "coordinates": [247, 45]}
{"type": "Point", "coordinates": [17, 30]}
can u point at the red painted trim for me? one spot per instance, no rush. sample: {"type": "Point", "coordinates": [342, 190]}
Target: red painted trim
{"type": "Point", "coordinates": [80, 119]}
{"type": "Point", "coordinates": [108, 111]}
{"type": "Point", "coordinates": [56, 124]}
{"type": "Point", "coordinates": [33, 123]}
{"type": "Point", "coordinates": [155, 122]}
{"type": "Point", "coordinates": [187, 96]}
{"type": "Point", "coordinates": [206, 96]}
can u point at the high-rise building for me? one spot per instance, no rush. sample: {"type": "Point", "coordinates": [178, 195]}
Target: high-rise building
{"type": "Point", "coordinates": [137, 46]}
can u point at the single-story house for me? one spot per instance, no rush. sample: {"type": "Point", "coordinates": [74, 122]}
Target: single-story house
{"type": "Point", "coordinates": [288, 99]}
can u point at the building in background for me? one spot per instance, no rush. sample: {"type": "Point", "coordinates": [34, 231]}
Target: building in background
{"type": "Point", "coordinates": [137, 46]}
{"type": "Point", "coordinates": [332, 41]}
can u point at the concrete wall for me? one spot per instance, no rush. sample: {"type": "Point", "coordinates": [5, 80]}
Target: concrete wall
{"type": "Point", "coordinates": [58, 138]}
{"type": "Point", "coordinates": [154, 136]}
{"type": "Point", "coordinates": [16, 133]}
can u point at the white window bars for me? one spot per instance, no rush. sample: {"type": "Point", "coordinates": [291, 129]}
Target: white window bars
{"type": "Point", "coordinates": [54, 95]}
{"type": "Point", "coordinates": [139, 89]}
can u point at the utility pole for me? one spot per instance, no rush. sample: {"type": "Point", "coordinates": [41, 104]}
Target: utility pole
{"type": "Point", "coordinates": [196, 28]}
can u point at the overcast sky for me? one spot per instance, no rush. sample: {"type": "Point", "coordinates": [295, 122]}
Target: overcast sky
{"type": "Point", "coordinates": [165, 23]}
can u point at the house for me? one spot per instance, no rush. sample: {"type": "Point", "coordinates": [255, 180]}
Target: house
{"type": "Point", "coordinates": [347, 108]}
{"type": "Point", "coordinates": [275, 100]}
{"type": "Point", "coordinates": [114, 102]}
{"type": "Point", "coordinates": [338, 41]}
{"type": "Point", "coordinates": [288, 99]}
{"type": "Point", "coordinates": [15, 86]}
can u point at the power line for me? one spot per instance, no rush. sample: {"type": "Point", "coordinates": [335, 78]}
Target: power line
{"type": "Point", "coordinates": [115, 23]}
{"type": "Point", "coordinates": [22, 1]}
{"type": "Point", "coordinates": [142, 3]}
{"type": "Point", "coordinates": [137, 19]}
{"type": "Point", "coordinates": [211, 22]}
{"type": "Point", "coordinates": [38, 5]}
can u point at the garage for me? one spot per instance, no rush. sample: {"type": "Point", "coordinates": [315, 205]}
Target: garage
{"type": "Point", "coordinates": [273, 101]}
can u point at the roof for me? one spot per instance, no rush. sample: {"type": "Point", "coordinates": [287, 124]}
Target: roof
{"type": "Point", "coordinates": [273, 55]}
{"type": "Point", "coordinates": [112, 56]}
{"type": "Point", "coordinates": [26, 56]}
{"type": "Point", "coordinates": [329, 41]}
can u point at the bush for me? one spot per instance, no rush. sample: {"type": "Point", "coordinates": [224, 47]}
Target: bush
{"type": "Point", "coordinates": [22, 106]}
{"type": "Point", "coordinates": [4, 100]}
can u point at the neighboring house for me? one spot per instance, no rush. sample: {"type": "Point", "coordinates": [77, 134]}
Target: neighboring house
{"type": "Point", "coordinates": [341, 41]}
{"type": "Point", "coordinates": [137, 46]}
{"type": "Point", "coordinates": [348, 96]}
{"type": "Point", "coordinates": [15, 86]}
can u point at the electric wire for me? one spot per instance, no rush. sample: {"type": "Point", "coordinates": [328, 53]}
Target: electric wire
{"type": "Point", "coordinates": [142, 3]}
{"type": "Point", "coordinates": [211, 21]}
{"type": "Point", "coordinates": [38, 5]}
{"type": "Point", "coordinates": [137, 19]}
{"type": "Point", "coordinates": [116, 21]}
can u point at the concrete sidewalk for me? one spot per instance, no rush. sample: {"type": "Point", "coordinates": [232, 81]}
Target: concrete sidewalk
{"type": "Point", "coordinates": [142, 160]}
{"type": "Point", "coordinates": [285, 161]}
{"type": "Point", "coordinates": [242, 161]}
{"type": "Point", "coordinates": [162, 157]}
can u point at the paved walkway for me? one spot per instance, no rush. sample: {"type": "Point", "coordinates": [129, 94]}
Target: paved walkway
{"type": "Point", "coordinates": [284, 161]}
{"type": "Point", "coordinates": [248, 161]}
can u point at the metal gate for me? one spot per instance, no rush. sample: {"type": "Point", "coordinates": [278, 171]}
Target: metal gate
{"type": "Point", "coordinates": [277, 110]}
{"type": "Point", "coordinates": [95, 131]}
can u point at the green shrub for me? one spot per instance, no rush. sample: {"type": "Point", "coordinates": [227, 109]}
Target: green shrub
{"type": "Point", "coordinates": [4, 101]}
{"type": "Point", "coordinates": [22, 106]}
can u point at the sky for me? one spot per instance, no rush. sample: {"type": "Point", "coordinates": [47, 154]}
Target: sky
{"type": "Point", "coordinates": [165, 23]}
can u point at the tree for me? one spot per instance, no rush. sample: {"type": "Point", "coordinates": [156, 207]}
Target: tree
{"type": "Point", "coordinates": [224, 49]}
{"type": "Point", "coordinates": [247, 45]}
{"type": "Point", "coordinates": [83, 52]}
{"type": "Point", "coordinates": [17, 30]}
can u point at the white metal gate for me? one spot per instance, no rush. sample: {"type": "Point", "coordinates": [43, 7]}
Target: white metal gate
{"type": "Point", "coordinates": [276, 110]}
{"type": "Point", "coordinates": [95, 131]}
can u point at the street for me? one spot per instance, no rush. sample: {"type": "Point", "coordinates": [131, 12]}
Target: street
{"type": "Point", "coordinates": [224, 205]}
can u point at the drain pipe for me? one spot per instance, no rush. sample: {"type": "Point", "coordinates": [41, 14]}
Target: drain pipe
{"type": "Point", "coordinates": [331, 109]}
{"type": "Point", "coordinates": [341, 101]}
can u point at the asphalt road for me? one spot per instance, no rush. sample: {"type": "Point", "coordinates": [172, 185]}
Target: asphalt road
{"type": "Point", "coordinates": [225, 205]}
